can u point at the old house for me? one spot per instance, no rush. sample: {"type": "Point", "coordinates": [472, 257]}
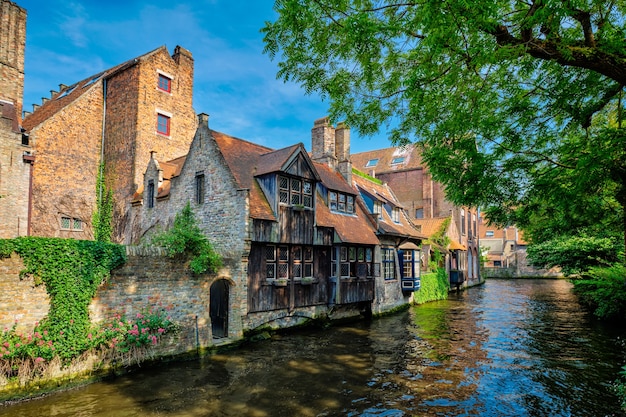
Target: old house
{"type": "Point", "coordinates": [402, 169]}
{"type": "Point", "coordinates": [297, 235]}
{"type": "Point", "coordinates": [15, 150]}
{"type": "Point", "coordinates": [399, 241]}
{"type": "Point", "coordinates": [115, 117]}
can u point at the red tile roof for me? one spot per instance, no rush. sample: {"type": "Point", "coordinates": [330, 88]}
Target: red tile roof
{"type": "Point", "coordinates": [410, 153]}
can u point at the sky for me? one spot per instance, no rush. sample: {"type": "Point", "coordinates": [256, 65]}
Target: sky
{"type": "Point", "coordinates": [234, 81]}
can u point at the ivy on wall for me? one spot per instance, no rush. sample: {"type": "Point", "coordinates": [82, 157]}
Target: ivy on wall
{"type": "Point", "coordinates": [103, 215]}
{"type": "Point", "coordinates": [434, 286]}
{"type": "Point", "coordinates": [71, 270]}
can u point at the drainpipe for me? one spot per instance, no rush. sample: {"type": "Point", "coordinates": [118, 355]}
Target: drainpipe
{"type": "Point", "coordinates": [104, 112]}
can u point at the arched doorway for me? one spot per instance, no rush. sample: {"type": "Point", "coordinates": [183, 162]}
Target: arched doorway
{"type": "Point", "coordinates": [219, 308]}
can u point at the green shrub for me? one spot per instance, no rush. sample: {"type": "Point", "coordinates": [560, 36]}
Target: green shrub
{"type": "Point", "coordinates": [619, 387]}
{"type": "Point", "coordinates": [434, 286]}
{"type": "Point", "coordinates": [603, 290]}
{"type": "Point", "coordinates": [71, 270]}
{"type": "Point", "coordinates": [185, 239]}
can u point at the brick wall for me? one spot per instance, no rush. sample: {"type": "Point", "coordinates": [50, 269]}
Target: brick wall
{"type": "Point", "coordinates": [12, 44]}
{"type": "Point", "coordinates": [66, 167]}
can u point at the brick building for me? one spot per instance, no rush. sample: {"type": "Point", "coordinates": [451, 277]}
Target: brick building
{"type": "Point", "coordinates": [15, 151]}
{"type": "Point", "coordinates": [117, 116]}
{"type": "Point", "coordinates": [401, 168]}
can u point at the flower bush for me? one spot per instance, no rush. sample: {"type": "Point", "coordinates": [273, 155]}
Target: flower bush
{"type": "Point", "coordinates": [119, 334]}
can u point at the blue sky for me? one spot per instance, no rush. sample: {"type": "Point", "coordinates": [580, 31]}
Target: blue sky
{"type": "Point", "coordinates": [235, 83]}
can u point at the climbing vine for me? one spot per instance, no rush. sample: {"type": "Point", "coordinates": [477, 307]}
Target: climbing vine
{"type": "Point", "coordinates": [103, 215]}
{"type": "Point", "coordinates": [71, 270]}
{"type": "Point", "coordinates": [434, 286]}
{"type": "Point", "coordinates": [439, 240]}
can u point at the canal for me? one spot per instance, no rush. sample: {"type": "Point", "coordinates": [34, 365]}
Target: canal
{"type": "Point", "coordinates": [507, 348]}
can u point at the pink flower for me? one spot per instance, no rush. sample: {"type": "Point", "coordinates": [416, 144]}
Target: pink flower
{"type": "Point", "coordinates": [161, 330]}
{"type": "Point", "coordinates": [39, 359]}
{"type": "Point", "coordinates": [89, 336]}
{"type": "Point", "coordinates": [154, 340]}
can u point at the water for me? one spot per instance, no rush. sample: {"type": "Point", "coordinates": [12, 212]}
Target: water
{"type": "Point", "coordinates": [508, 348]}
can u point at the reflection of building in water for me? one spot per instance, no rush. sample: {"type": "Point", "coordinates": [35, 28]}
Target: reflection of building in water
{"type": "Point", "coordinates": [443, 355]}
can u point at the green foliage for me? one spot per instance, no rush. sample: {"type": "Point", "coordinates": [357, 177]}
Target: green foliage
{"type": "Point", "coordinates": [439, 241]}
{"type": "Point", "coordinates": [434, 286]}
{"type": "Point", "coordinates": [103, 215]}
{"type": "Point", "coordinates": [71, 270]}
{"type": "Point", "coordinates": [185, 239]}
{"type": "Point", "coordinates": [487, 91]}
{"type": "Point", "coordinates": [603, 290]}
{"type": "Point", "coordinates": [575, 254]}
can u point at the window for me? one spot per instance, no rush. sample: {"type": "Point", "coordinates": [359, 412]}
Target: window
{"type": "Point", "coordinates": [69, 223]}
{"type": "Point", "coordinates": [150, 195]}
{"type": "Point", "coordinates": [339, 202]}
{"type": "Point", "coordinates": [200, 187]}
{"type": "Point", "coordinates": [163, 124]}
{"type": "Point", "coordinates": [489, 233]}
{"type": "Point", "coordinates": [497, 263]}
{"type": "Point", "coordinates": [354, 262]}
{"type": "Point", "coordinates": [279, 263]}
{"type": "Point", "coordinates": [295, 192]}
{"type": "Point", "coordinates": [165, 83]}
{"type": "Point", "coordinates": [93, 79]}
{"type": "Point", "coordinates": [397, 161]}
{"type": "Point", "coordinates": [67, 92]}
{"type": "Point", "coordinates": [395, 215]}
{"type": "Point", "coordinates": [389, 268]}
{"type": "Point", "coordinates": [419, 213]}
{"type": "Point", "coordinates": [410, 264]}
{"type": "Point", "coordinates": [378, 209]}
{"type": "Point", "coordinates": [462, 214]}
{"type": "Point", "coordinates": [372, 163]}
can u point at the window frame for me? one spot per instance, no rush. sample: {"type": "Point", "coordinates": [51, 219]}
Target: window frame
{"type": "Point", "coordinates": [294, 191]}
{"type": "Point", "coordinates": [388, 263]}
{"type": "Point", "coordinates": [150, 194]}
{"type": "Point", "coordinates": [165, 86]}
{"type": "Point", "coordinates": [200, 187]}
{"type": "Point", "coordinates": [163, 125]}
{"type": "Point", "coordinates": [74, 224]}
{"type": "Point", "coordinates": [372, 162]}
{"type": "Point", "coordinates": [398, 160]}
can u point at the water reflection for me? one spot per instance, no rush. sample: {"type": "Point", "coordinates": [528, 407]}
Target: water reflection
{"type": "Point", "coordinates": [509, 348]}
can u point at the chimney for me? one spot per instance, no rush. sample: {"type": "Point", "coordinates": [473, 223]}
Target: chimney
{"type": "Point", "coordinates": [323, 142]}
{"type": "Point", "coordinates": [203, 119]}
{"type": "Point", "coordinates": [342, 151]}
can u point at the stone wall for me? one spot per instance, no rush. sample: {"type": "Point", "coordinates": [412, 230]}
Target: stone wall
{"type": "Point", "coordinates": [149, 279]}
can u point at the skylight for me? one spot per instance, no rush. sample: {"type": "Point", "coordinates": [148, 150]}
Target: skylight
{"type": "Point", "coordinates": [372, 163]}
{"type": "Point", "coordinates": [396, 161]}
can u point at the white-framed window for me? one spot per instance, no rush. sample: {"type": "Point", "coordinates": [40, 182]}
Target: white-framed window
{"type": "Point", "coordinates": [71, 223]}
{"type": "Point", "coordinates": [372, 162]}
{"type": "Point", "coordinates": [378, 209]}
{"type": "Point", "coordinates": [354, 262]}
{"type": "Point", "coordinates": [397, 161]}
{"type": "Point", "coordinates": [395, 215]}
{"type": "Point", "coordinates": [489, 233]}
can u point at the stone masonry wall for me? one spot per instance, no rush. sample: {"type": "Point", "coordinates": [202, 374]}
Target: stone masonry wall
{"type": "Point", "coordinates": [148, 280]}
{"type": "Point", "coordinates": [12, 45]}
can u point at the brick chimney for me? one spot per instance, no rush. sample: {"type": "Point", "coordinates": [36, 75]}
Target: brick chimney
{"type": "Point", "coordinates": [323, 142]}
{"type": "Point", "coordinates": [342, 151]}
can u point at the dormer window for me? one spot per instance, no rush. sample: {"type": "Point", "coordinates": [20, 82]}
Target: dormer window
{"type": "Point", "coordinates": [295, 192]}
{"type": "Point", "coordinates": [340, 202]}
{"type": "Point", "coordinates": [378, 209]}
{"type": "Point", "coordinates": [395, 215]}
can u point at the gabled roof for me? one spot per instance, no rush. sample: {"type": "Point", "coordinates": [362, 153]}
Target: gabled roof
{"type": "Point", "coordinates": [430, 226]}
{"type": "Point", "coordinates": [71, 93]}
{"type": "Point", "coordinates": [169, 169]}
{"type": "Point", "coordinates": [242, 158]}
{"type": "Point", "coordinates": [384, 194]}
{"type": "Point", "coordinates": [406, 157]}
{"type": "Point", "coordinates": [333, 180]}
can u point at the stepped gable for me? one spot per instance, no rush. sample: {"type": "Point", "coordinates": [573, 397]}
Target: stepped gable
{"type": "Point", "coordinates": [71, 93]}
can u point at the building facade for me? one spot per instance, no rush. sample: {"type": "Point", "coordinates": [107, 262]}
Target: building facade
{"type": "Point", "coordinates": [15, 149]}
{"type": "Point", "coordinates": [114, 118]}
{"type": "Point", "coordinates": [402, 169]}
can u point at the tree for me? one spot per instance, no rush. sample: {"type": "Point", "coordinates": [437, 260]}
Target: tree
{"type": "Point", "coordinates": [505, 97]}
